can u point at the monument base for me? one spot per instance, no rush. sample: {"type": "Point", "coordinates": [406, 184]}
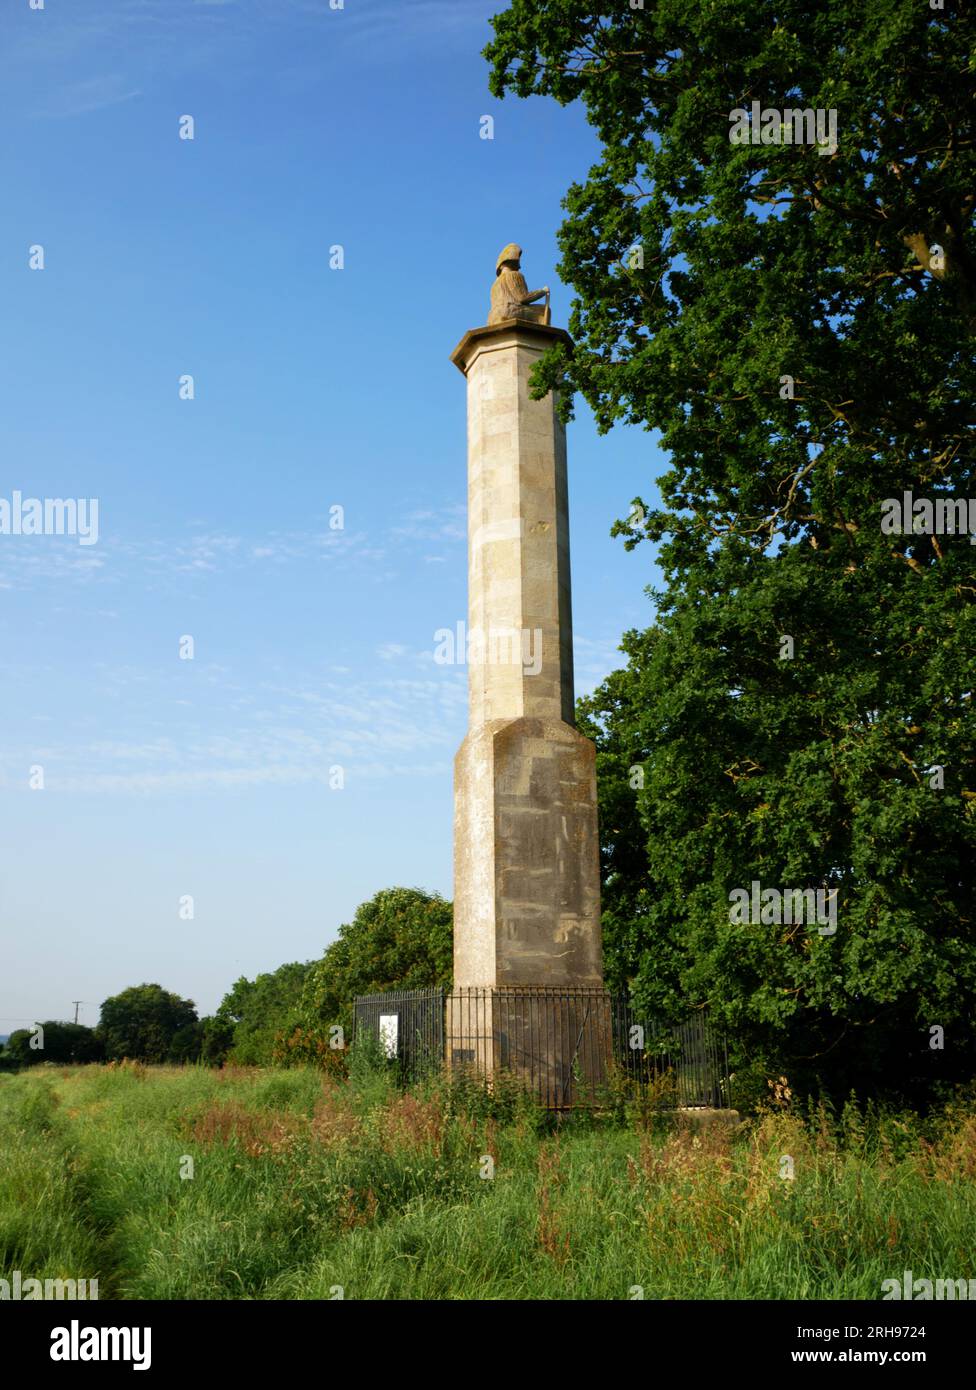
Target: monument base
{"type": "Point", "coordinates": [526, 858]}
{"type": "Point", "coordinates": [557, 1043]}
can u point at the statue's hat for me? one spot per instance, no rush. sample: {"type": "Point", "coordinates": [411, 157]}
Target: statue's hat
{"type": "Point", "coordinates": [511, 252]}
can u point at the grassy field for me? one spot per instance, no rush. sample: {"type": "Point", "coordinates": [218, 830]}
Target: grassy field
{"type": "Point", "coordinates": [302, 1184]}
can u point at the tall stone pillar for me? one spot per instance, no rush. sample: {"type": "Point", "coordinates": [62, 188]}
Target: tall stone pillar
{"type": "Point", "coordinates": [526, 857]}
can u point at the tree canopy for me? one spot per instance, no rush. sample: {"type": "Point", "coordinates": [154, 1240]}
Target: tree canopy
{"type": "Point", "coordinates": [402, 938]}
{"type": "Point", "coordinates": [63, 1042]}
{"type": "Point", "coordinates": [147, 1023]}
{"type": "Point", "coordinates": [796, 322]}
{"type": "Point", "coordinates": [255, 1012]}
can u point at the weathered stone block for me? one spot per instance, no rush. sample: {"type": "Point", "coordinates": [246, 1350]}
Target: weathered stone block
{"type": "Point", "coordinates": [526, 856]}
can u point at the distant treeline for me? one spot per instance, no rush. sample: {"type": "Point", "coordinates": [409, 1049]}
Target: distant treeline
{"type": "Point", "coordinates": [400, 939]}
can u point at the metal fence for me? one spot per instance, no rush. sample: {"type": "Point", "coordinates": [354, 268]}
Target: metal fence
{"type": "Point", "coordinates": [568, 1047]}
{"type": "Point", "coordinates": [692, 1057]}
{"type": "Point", "coordinates": [408, 1025]}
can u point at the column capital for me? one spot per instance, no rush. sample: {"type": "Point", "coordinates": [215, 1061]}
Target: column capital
{"type": "Point", "coordinates": [504, 334]}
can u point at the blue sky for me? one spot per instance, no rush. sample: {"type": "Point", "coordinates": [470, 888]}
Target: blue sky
{"type": "Point", "coordinates": [314, 388]}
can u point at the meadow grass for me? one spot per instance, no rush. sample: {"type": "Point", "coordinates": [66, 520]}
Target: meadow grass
{"type": "Point", "coordinates": [304, 1185]}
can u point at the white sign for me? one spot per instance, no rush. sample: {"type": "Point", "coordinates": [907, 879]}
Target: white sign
{"type": "Point", "coordinates": [389, 1025]}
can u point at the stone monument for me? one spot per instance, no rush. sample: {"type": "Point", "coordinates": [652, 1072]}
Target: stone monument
{"type": "Point", "coordinates": [527, 947]}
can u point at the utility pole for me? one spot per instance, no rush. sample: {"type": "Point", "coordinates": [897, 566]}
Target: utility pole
{"type": "Point", "coordinates": [76, 1002]}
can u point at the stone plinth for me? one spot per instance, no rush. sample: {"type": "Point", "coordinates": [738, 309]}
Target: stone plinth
{"type": "Point", "coordinates": [526, 857]}
{"type": "Point", "coordinates": [556, 1043]}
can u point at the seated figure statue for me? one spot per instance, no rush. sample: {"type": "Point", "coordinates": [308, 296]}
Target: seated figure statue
{"type": "Point", "coordinates": [511, 297]}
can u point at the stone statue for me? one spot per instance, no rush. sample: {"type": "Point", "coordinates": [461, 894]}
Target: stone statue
{"type": "Point", "coordinates": [511, 297]}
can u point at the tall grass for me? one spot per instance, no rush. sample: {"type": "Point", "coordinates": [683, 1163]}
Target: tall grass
{"type": "Point", "coordinates": [304, 1185]}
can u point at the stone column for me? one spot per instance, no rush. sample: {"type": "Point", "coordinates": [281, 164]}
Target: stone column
{"type": "Point", "coordinates": [526, 856]}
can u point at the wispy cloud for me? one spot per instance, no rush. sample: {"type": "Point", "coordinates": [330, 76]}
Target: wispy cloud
{"type": "Point", "coordinates": [447, 523]}
{"type": "Point", "coordinates": [90, 94]}
{"type": "Point", "coordinates": [124, 48]}
{"type": "Point", "coordinates": [593, 661]}
{"type": "Point", "coordinates": [373, 726]}
{"type": "Point", "coordinates": [201, 551]}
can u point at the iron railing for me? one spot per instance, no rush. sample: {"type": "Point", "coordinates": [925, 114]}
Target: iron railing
{"type": "Point", "coordinates": [408, 1025]}
{"type": "Point", "coordinates": [566, 1046]}
{"type": "Point", "coordinates": [692, 1056]}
